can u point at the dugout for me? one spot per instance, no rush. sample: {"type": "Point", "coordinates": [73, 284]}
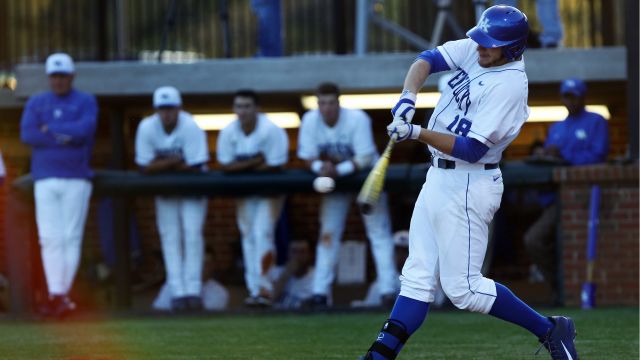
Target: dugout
{"type": "Point", "coordinates": [124, 92]}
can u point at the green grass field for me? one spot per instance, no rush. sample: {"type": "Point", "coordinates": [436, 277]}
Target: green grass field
{"type": "Point", "coordinates": [602, 334]}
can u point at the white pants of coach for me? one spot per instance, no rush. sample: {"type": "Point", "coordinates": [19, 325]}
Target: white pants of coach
{"type": "Point", "coordinates": [333, 214]}
{"type": "Point", "coordinates": [448, 237]}
{"type": "Point", "coordinates": [257, 217]}
{"type": "Point", "coordinates": [61, 212]}
{"type": "Point", "coordinates": [180, 221]}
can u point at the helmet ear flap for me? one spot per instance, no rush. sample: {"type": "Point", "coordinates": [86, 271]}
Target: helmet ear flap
{"type": "Point", "coordinates": [512, 52]}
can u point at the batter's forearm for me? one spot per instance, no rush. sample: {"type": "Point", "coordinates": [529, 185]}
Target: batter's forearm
{"type": "Point", "coordinates": [162, 164]}
{"type": "Point", "coordinates": [417, 75]}
{"type": "Point", "coordinates": [244, 165]}
{"type": "Point", "coordinates": [440, 141]}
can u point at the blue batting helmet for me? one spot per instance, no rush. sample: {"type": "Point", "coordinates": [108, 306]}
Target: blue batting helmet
{"type": "Point", "coordinates": [502, 26]}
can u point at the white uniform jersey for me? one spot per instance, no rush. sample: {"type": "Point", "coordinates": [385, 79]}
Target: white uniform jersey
{"type": "Point", "coordinates": [350, 137]}
{"type": "Point", "coordinates": [487, 104]}
{"type": "Point", "coordinates": [267, 138]}
{"type": "Point", "coordinates": [187, 140]}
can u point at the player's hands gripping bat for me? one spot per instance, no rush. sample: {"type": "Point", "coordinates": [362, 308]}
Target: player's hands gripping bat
{"type": "Point", "coordinates": [398, 130]}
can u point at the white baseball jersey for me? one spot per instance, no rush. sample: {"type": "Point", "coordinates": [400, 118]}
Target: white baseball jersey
{"type": "Point", "coordinates": [448, 242]}
{"type": "Point", "coordinates": [187, 140]}
{"type": "Point", "coordinates": [350, 137]}
{"type": "Point", "coordinates": [488, 104]}
{"type": "Point", "coordinates": [180, 220]}
{"type": "Point", "coordinates": [256, 215]}
{"type": "Point", "coordinates": [267, 138]}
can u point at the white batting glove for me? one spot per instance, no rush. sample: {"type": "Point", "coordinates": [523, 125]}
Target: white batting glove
{"type": "Point", "coordinates": [402, 130]}
{"type": "Point", "coordinates": [406, 106]}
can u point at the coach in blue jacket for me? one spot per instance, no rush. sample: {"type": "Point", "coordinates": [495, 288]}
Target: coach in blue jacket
{"type": "Point", "coordinates": [583, 137]}
{"type": "Point", "coordinates": [60, 125]}
{"type": "Point", "coordinates": [580, 139]}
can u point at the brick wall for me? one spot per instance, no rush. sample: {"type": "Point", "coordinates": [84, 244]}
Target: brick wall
{"type": "Point", "coordinates": [616, 265]}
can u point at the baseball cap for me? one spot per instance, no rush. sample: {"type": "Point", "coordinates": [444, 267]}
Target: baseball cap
{"type": "Point", "coordinates": [166, 96]}
{"type": "Point", "coordinates": [573, 86]}
{"type": "Point", "coordinates": [59, 63]}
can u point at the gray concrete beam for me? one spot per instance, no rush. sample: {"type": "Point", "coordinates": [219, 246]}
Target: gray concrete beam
{"type": "Point", "coordinates": [373, 73]}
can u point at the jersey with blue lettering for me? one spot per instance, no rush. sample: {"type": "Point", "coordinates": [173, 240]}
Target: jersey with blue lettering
{"type": "Point", "coordinates": [487, 104]}
{"type": "Point", "coordinates": [350, 137]}
{"type": "Point", "coordinates": [187, 140]}
{"type": "Point", "coordinates": [267, 139]}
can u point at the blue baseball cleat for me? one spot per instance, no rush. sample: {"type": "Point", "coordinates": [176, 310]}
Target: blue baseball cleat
{"type": "Point", "coordinates": [559, 339]}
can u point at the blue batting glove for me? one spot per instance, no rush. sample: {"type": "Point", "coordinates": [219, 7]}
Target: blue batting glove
{"type": "Point", "coordinates": [402, 130]}
{"type": "Point", "coordinates": [406, 106]}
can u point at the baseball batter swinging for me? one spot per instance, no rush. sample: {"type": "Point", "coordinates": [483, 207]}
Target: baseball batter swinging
{"type": "Point", "coordinates": [480, 112]}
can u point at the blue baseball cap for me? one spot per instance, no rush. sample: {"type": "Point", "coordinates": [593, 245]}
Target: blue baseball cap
{"type": "Point", "coordinates": [573, 86]}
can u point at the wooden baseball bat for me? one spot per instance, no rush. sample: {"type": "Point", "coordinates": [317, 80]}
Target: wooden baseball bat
{"type": "Point", "coordinates": [372, 187]}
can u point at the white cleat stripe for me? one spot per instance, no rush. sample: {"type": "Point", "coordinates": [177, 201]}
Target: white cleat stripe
{"type": "Point", "coordinates": [566, 351]}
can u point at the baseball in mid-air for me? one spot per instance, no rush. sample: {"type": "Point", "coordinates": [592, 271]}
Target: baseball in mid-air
{"type": "Point", "coordinates": [324, 184]}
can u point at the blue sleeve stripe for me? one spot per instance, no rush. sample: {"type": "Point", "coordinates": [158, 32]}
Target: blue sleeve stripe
{"type": "Point", "coordinates": [469, 149]}
{"type": "Point", "coordinates": [450, 58]}
{"type": "Point", "coordinates": [434, 57]}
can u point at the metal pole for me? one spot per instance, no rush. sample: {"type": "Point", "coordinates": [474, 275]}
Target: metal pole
{"type": "Point", "coordinates": [631, 9]}
{"type": "Point", "coordinates": [169, 22]}
{"type": "Point", "coordinates": [120, 216]}
{"type": "Point", "coordinates": [480, 6]}
{"type": "Point", "coordinates": [362, 26]}
{"type": "Point", "coordinates": [224, 21]}
{"type": "Point", "coordinates": [121, 31]}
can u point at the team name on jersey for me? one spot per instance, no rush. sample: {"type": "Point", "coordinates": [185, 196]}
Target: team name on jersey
{"type": "Point", "coordinates": [460, 83]}
{"type": "Point", "coordinates": [169, 152]}
{"type": "Point", "coordinates": [335, 151]}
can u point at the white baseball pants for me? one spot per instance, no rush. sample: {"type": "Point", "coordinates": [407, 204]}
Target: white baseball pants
{"type": "Point", "coordinates": [448, 237]}
{"type": "Point", "coordinates": [333, 214]}
{"type": "Point", "coordinates": [180, 221]}
{"type": "Point", "coordinates": [61, 212]}
{"type": "Point", "coordinates": [257, 217]}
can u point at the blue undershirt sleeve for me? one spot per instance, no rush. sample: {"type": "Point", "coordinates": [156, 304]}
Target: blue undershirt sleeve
{"type": "Point", "coordinates": [469, 149]}
{"type": "Point", "coordinates": [436, 60]}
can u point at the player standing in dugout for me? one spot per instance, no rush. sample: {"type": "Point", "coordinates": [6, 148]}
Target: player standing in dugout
{"type": "Point", "coordinates": [480, 112]}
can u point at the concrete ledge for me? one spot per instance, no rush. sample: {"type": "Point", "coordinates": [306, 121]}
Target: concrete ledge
{"type": "Point", "coordinates": [372, 73]}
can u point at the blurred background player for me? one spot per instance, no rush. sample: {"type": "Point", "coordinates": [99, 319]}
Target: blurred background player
{"type": "Point", "coordinates": [580, 139]}
{"type": "Point", "coordinates": [548, 14]}
{"type": "Point", "coordinates": [253, 143]}
{"type": "Point", "coordinates": [171, 141]}
{"type": "Point", "coordinates": [215, 296]}
{"type": "Point", "coordinates": [478, 115]}
{"type": "Point", "coordinates": [336, 142]}
{"type": "Point", "coordinates": [293, 283]}
{"type": "Point", "coordinates": [60, 126]}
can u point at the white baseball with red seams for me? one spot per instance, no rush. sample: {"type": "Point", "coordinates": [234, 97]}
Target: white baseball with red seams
{"type": "Point", "coordinates": [324, 184]}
